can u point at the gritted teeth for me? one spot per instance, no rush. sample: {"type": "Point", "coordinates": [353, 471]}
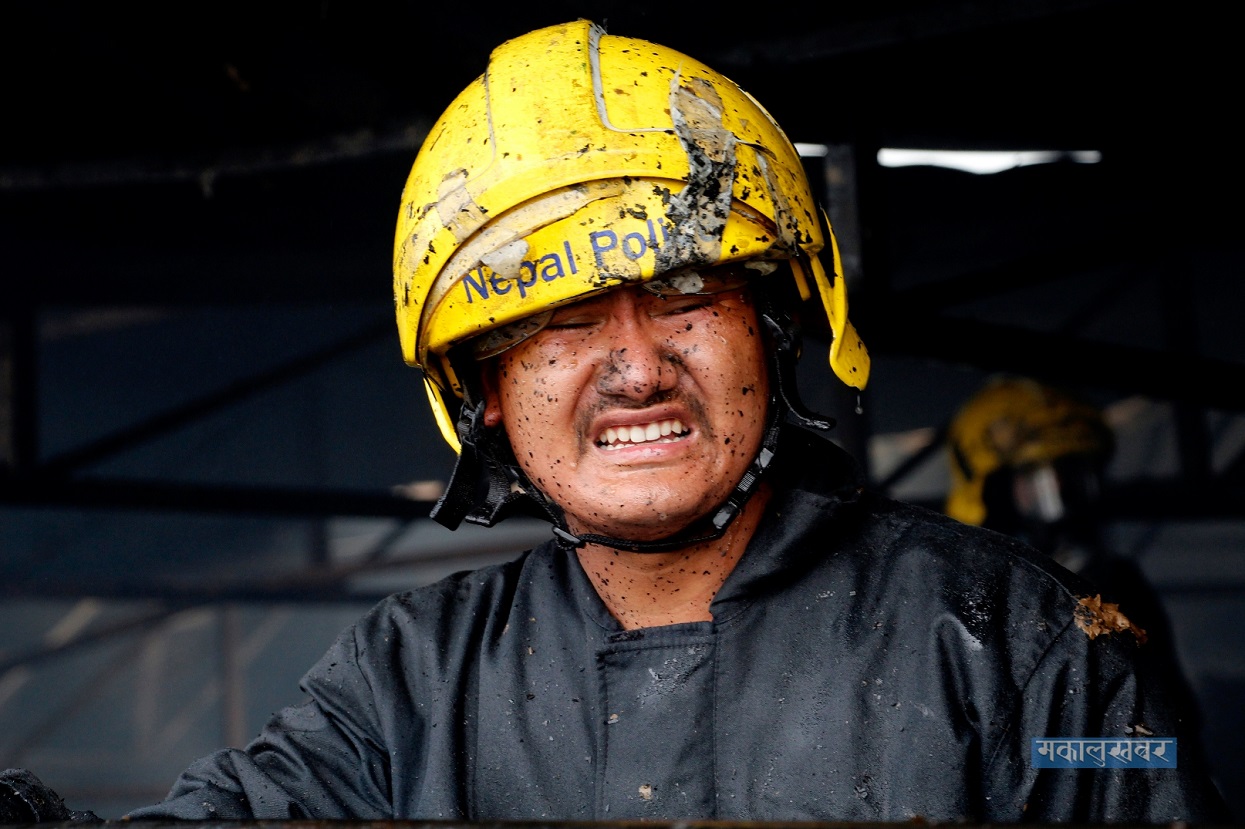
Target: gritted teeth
{"type": "Point", "coordinates": [663, 431]}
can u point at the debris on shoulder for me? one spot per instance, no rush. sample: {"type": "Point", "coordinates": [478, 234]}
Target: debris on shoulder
{"type": "Point", "coordinates": [1094, 616]}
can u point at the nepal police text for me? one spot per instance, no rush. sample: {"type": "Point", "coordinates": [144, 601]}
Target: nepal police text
{"type": "Point", "coordinates": [551, 266]}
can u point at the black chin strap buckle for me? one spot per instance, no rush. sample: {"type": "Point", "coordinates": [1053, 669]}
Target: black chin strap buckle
{"type": "Point", "coordinates": [484, 488]}
{"type": "Point", "coordinates": [727, 512]}
{"type": "Point", "coordinates": [566, 539]}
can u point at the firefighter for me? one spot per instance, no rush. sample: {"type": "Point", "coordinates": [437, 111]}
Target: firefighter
{"type": "Point", "coordinates": [1030, 459]}
{"type": "Point", "coordinates": [604, 253]}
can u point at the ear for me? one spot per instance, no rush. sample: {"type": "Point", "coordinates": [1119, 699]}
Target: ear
{"type": "Point", "coordinates": [492, 398]}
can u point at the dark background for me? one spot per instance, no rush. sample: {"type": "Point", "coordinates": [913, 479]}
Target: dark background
{"type": "Point", "coordinates": [207, 434]}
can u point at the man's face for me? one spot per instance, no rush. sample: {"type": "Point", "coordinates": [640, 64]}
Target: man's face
{"type": "Point", "coordinates": [636, 413]}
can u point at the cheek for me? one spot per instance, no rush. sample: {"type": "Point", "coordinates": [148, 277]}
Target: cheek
{"type": "Point", "coordinates": [531, 388]}
{"type": "Point", "coordinates": [737, 365]}
{"type": "Point", "coordinates": [728, 350]}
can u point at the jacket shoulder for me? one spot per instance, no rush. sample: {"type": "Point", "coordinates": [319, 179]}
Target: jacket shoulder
{"type": "Point", "coordinates": [444, 605]}
{"type": "Point", "coordinates": [962, 550]}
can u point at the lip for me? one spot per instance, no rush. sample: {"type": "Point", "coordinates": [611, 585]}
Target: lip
{"type": "Point", "coordinates": [640, 417]}
{"type": "Point", "coordinates": [639, 455]}
{"type": "Point", "coordinates": [636, 417]}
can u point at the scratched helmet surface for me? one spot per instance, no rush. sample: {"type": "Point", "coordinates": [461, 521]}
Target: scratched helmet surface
{"type": "Point", "coordinates": [1013, 422]}
{"type": "Point", "coordinates": [581, 161]}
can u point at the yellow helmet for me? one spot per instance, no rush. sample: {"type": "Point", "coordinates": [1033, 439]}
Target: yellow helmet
{"type": "Point", "coordinates": [581, 161]}
{"type": "Point", "coordinates": [1014, 422]}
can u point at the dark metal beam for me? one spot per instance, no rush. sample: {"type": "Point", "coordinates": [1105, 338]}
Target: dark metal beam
{"type": "Point", "coordinates": [320, 584]}
{"type": "Point", "coordinates": [140, 623]}
{"type": "Point", "coordinates": [888, 32]}
{"type": "Point", "coordinates": [1163, 501]}
{"type": "Point", "coordinates": [182, 415]}
{"type": "Point", "coordinates": [1178, 500]}
{"type": "Point", "coordinates": [1058, 358]}
{"type": "Point", "coordinates": [19, 353]}
{"type": "Point", "coordinates": [1107, 249]}
{"type": "Point", "coordinates": [199, 498]}
{"type": "Point", "coordinates": [1180, 330]}
{"type": "Point", "coordinates": [910, 464]}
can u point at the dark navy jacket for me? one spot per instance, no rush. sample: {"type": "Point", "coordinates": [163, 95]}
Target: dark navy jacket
{"type": "Point", "coordinates": [868, 661]}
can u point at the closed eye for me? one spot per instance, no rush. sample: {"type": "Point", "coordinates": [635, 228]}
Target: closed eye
{"type": "Point", "coordinates": [673, 306]}
{"type": "Point", "coordinates": [571, 320]}
{"type": "Point", "coordinates": [569, 325]}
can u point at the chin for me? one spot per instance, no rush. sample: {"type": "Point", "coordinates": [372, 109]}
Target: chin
{"type": "Point", "coordinates": [650, 523]}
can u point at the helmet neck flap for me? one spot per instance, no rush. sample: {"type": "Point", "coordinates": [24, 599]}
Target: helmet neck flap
{"type": "Point", "coordinates": [488, 485]}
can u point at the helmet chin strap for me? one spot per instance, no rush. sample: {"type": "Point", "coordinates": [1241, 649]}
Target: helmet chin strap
{"type": "Point", "coordinates": [488, 485]}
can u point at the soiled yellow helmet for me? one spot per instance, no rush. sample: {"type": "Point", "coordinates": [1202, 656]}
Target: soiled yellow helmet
{"type": "Point", "coordinates": [1014, 422]}
{"type": "Point", "coordinates": [581, 161]}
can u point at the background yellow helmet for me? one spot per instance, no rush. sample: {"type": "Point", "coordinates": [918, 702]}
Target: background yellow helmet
{"type": "Point", "coordinates": [1014, 422]}
{"type": "Point", "coordinates": [581, 161]}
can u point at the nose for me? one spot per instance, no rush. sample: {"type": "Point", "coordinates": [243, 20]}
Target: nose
{"type": "Point", "coordinates": [640, 362]}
